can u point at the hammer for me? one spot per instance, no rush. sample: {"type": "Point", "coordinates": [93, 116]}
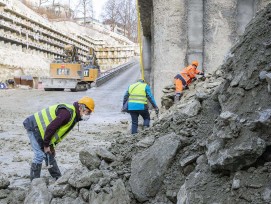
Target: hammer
{"type": "Point", "coordinates": [47, 160]}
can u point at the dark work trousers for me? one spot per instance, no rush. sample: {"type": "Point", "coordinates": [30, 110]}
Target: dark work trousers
{"type": "Point", "coordinates": [134, 115]}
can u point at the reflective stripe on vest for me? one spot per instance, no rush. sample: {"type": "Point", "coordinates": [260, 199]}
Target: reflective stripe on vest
{"type": "Point", "coordinates": [137, 93]}
{"type": "Point", "coordinates": [46, 116]}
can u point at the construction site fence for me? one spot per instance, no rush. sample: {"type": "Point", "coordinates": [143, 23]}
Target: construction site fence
{"type": "Point", "coordinates": [106, 76]}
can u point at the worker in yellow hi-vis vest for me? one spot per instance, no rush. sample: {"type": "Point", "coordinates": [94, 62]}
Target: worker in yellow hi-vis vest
{"type": "Point", "coordinates": [136, 98]}
{"type": "Point", "coordinates": [48, 127]}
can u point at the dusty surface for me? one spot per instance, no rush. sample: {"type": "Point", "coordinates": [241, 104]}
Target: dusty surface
{"type": "Point", "coordinates": [166, 23]}
{"type": "Point", "coordinates": [105, 123]}
{"type": "Point", "coordinates": [211, 147]}
{"type": "Point", "coordinates": [16, 61]}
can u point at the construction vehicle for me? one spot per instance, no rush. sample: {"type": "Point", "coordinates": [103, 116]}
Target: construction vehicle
{"type": "Point", "coordinates": [71, 73]}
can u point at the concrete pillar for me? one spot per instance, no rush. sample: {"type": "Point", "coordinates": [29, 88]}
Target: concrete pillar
{"type": "Point", "coordinates": [169, 43]}
{"type": "Point", "coordinates": [146, 52]}
{"type": "Point", "coordinates": [219, 32]}
{"type": "Point", "coordinates": [195, 31]}
{"type": "Point", "coordinates": [245, 12]}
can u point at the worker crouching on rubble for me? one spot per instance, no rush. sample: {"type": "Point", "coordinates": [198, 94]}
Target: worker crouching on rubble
{"type": "Point", "coordinates": [136, 97]}
{"type": "Point", "coordinates": [185, 78]}
{"type": "Point", "coordinates": [48, 127]}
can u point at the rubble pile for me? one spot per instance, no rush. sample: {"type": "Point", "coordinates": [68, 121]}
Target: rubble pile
{"type": "Point", "coordinates": [211, 147]}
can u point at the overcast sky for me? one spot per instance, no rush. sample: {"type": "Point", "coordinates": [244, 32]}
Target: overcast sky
{"type": "Point", "coordinates": [97, 6]}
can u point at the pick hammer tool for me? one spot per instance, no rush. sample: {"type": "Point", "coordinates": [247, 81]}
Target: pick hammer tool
{"type": "Point", "coordinates": [47, 160]}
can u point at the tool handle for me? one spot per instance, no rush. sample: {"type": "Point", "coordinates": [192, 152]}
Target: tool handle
{"type": "Point", "coordinates": [47, 160]}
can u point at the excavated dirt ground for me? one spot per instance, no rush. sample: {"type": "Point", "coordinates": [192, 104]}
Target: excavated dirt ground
{"type": "Point", "coordinates": [211, 147]}
{"type": "Point", "coordinates": [106, 123]}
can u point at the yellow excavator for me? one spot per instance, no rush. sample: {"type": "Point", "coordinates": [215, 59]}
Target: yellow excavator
{"type": "Point", "coordinates": [70, 73]}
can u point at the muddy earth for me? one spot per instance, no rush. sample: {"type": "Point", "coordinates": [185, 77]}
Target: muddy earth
{"type": "Point", "coordinates": [100, 130]}
{"type": "Point", "coordinates": [212, 147]}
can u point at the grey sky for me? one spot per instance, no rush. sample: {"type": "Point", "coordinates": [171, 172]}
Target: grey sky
{"type": "Point", "coordinates": [97, 6]}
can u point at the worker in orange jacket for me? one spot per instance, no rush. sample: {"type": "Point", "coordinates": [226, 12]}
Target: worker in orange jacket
{"type": "Point", "coordinates": [185, 78]}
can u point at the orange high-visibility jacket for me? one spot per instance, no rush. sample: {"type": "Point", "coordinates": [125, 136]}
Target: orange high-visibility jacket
{"type": "Point", "coordinates": [189, 73]}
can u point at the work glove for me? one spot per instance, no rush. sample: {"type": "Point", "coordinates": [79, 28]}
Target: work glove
{"type": "Point", "coordinates": [203, 76]}
{"type": "Point", "coordinates": [47, 150]}
{"type": "Point", "coordinates": [50, 150]}
{"type": "Point", "coordinates": [157, 111]}
{"type": "Point", "coordinates": [53, 151]}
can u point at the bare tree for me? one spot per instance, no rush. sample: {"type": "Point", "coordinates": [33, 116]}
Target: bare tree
{"type": "Point", "coordinates": [121, 13]}
{"type": "Point", "coordinates": [42, 2]}
{"type": "Point", "coordinates": [84, 8]}
{"type": "Point", "coordinates": [110, 13]}
{"type": "Point", "coordinates": [128, 18]}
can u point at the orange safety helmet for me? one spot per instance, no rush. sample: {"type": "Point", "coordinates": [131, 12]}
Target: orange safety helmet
{"type": "Point", "coordinates": [196, 63]}
{"type": "Point", "coordinates": [88, 102]}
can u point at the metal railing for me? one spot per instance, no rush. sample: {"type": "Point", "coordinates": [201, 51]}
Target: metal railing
{"type": "Point", "coordinates": [106, 76]}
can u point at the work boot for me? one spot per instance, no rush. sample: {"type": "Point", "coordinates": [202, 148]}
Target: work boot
{"type": "Point", "coordinates": [177, 98]}
{"type": "Point", "coordinates": [35, 171]}
{"type": "Point", "coordinates": [54, 170]}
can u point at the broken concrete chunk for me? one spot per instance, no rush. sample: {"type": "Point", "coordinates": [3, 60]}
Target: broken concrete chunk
{"type": "Point", "coordinates": [172, 196]}
{"type": "Point", "coordinates": [268, 79]}
{"type": "Point", "coordinates": [262, 75]}
{"type": "Point", "coordinates": [116, 194]}
{"type": "Point", "coordinates": [236, 184]}
{"type": "Point", "coordinates": [104, 165]}
{"type": "Point", "coordinates": [266, 195]}
{"type": "Point", "coordinates": [191, 108]}
{"type": "Point", "coordinates": [4, 182]}
{"type": "Point", "coordinates": [86, 179]}
{"type": "Point", "coordinates": [182, 195]}
{"type": "Point", "coordinates": [201, 96]}
{"type": "Point", "coordinates": [84, 194]}
{"type": "Point", "coordinates": [213, 84]}
{"type": "Point", "coordinates": [65, 177]}
{"type": "Point", "coordinates": [68, 200]}
{"type": "Point", "coordinates": [148, 167]}
{"type": "Point", "coordinates": [236, 156]}
{"type": "Point", "coordinates": [229, 116]}
{"type": "Point", "coordinates": [103, 153]}
{"type": "Point", "coordinates": [202, 159]}
{"type": "Point", "coordinates": [4, 193]}
{"type": "Point", "coordinates": [59, 191]}
{"type": "Point", "coordinates": [89, 158]}
{"type": "Point", "coordinates": [39, 192]}
{"type": "Point", "coordinates": [188, 160]}
{"type": "Point", "coordinates": [265, 117]}
{"type": "Point", "coordinates": [146, 142]}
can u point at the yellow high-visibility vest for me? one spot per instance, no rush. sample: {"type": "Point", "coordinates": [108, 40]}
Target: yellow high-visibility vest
{"type": "Point", "coordinates": [137, 93]}
{"type": "Point", "coordinates": [47, 115]}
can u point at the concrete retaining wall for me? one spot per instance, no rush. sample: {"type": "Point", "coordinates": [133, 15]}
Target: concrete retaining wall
{"type": "Point", "coordinates": [180, 31]}
{"type": "Point", "coordinates": [169, 42]}
{"type": "Point", "coordinates": [219, 35]}
{"type": "Point", "coordinates": [24, 32]}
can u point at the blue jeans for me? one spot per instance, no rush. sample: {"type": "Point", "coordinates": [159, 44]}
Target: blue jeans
{"type": "Point", "coordinates": [38, 152]}
{"type": "Point", "coordinates": [134, 115]}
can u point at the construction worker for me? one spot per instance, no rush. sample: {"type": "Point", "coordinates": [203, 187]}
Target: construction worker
{"type": "Point", "coordinates": [137, 97]}
{"type": "Point", "coordinates": [185, 78]}
{"type": "Point", "coordinates": [48, 127]}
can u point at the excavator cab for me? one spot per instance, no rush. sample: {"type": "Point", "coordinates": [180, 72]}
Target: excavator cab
{"type": "Point", "coordinates": [91, 68]}
{"type": "Point", "coordinates": [70, 73]}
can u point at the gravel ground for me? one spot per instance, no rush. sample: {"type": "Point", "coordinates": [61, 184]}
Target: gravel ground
{"type": "Point", "coordinates": [105, 123]}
